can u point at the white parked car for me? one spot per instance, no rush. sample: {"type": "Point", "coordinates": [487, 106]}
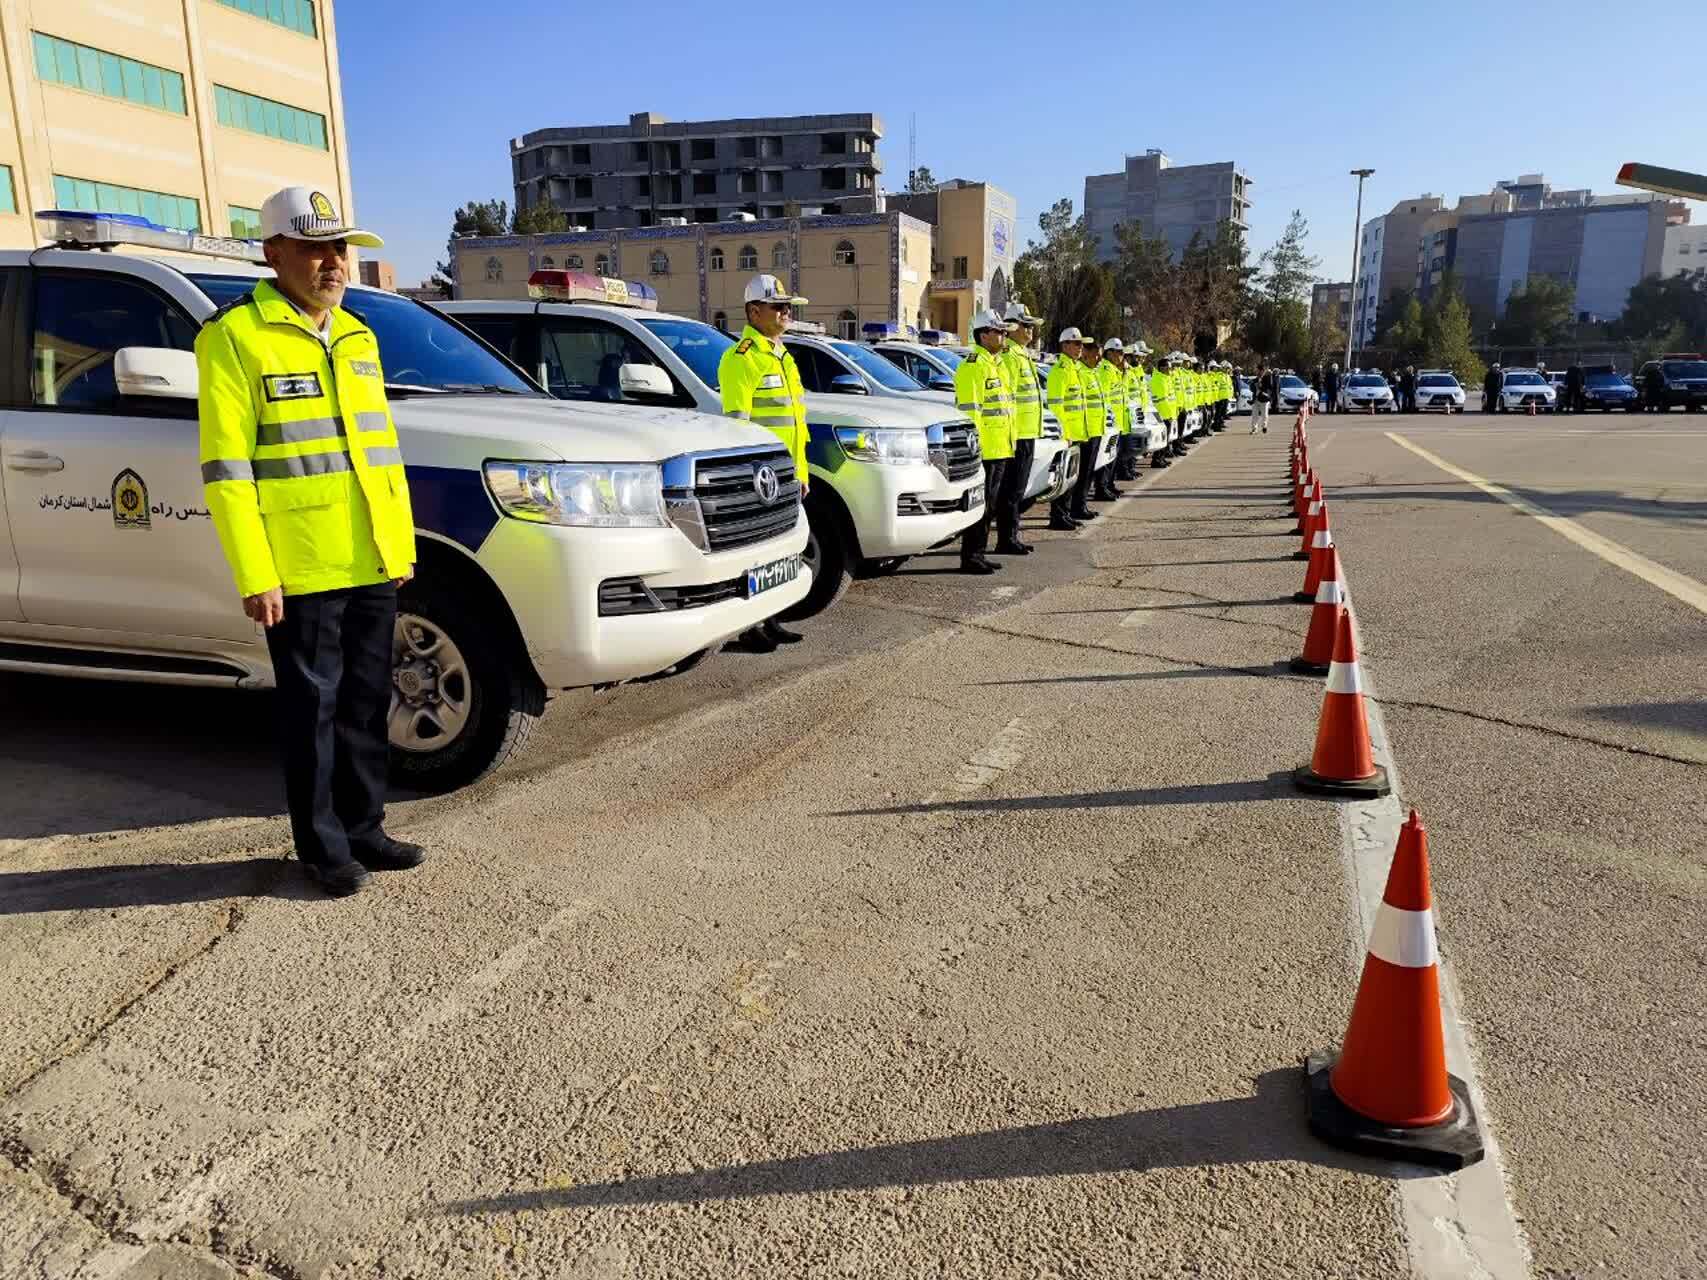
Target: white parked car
{"type": "Point", "coordinates": [1439, 390]}
{"type": "Point", "coordinates": [1521, 389]}
{"type": "Point", "coordinates": [1366, 393]}
{"type": "Point", "coordinates": [1294, 391]}
{"type": "Point", "coordinates": [559, 545]}
{"type": "Point", "coordinates": [893, 472]}
{"type": "Point", "coordinates": [1243, 391]}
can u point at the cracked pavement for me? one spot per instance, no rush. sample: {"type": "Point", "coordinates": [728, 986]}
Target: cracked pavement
{"type": "Point", "coordinates": [979, 935]}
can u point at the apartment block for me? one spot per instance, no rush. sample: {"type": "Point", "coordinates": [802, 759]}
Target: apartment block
{"type": "Point", "coordinates": [1335, 298]}
{"type": "Point", "coordinates": [1175, 201]}
{"type": "Point", "coordinates": [187, 112]}
{"type": "Point", "coordinates": [658, 172]}
{"type": "Point", "coordinates": [1387, 258]}
{"type": "Point", "coordinates": [1685, 250]}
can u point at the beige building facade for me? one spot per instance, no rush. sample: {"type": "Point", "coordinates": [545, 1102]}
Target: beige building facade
{"type": "Point", "coordinates": [855, 269]}
{"type": "Point", "coordinates": [187, 112]}
{"type": "Point", "coordinates": [975, 245]}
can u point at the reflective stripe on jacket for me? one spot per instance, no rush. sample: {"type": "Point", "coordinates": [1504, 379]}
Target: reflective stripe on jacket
{"type": "Point", "coordinates": [1028, 398]}
{"type": "Point", "coordinates": [1138, 391]}
{"type": "Point", "coordinates": [300, 462]}
{"type": "Point", "coordinates": [1066, 395]}
{"type": "Point", "coordinates": [981, 393]}
{"type": "Point", "coordinates": [761, 384]}
{"type": "Point", "coordinates": [1096, 408]}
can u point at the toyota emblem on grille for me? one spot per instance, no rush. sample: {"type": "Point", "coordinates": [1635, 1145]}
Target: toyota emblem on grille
{"type": "Point", "coordinates": [766, 485]}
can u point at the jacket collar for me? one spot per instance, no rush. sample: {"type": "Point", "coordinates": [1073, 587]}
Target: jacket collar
{"type": "Point", "coordinates": [772, 345]}
{"type": "Point", "coordinates": [275, 308]}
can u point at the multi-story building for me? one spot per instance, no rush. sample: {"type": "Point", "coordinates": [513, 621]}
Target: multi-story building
{"type": "Point", "coordinates": [189, 113]}
{"type": "Point", "coordinates": [652, 171]}
{"type": "Point", "coordinates": [856, 269]}
{"type": "Point", "coordinates": [1685, 250]}
{"type": "Point", "coordinates": [1335, 298]}
{"type": "Point", "coordinates": [1387, 259]}
{"type": "Point", "coordinates": [376, 273]}
{"type": "Point", "coordinates": [974, 247]}
{"type": "Point", "coordinates": [1165, 199]}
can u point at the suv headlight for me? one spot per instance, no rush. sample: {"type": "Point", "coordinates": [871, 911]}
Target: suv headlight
{"type": "Point", "coordinates": [586, 494]}
{"type": "Point", "coordinates": [892, 446]}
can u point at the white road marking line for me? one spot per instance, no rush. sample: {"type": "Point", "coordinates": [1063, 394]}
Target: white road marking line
{"type": "Point", "coordinates": [1462, 1225]}
{"type": "Point", "coordinates": [999, 755]}
{"type": "Point", "coordinates": [1138, 617]}
{"type": "Point", "coordinates": [1670, 581]}
{"type": "Point", "coordinates": [1003, 593]}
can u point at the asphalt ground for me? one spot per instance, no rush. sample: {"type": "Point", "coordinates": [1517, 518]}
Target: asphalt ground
{"type": "Point", "coordinates": [982, 934]}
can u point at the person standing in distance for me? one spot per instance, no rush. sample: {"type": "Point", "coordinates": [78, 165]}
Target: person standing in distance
{"type": "Point", "coordinates": [1065, 392]}
{"type": "Point", "coordinates": [305, 484]}
{"type": "Point", "coordinates": [760, 384]}
{"type": "Point", "coordinates": [1021, 374]}
{"type": "Point", "coordinates": [1112, 371]}
{"type": "Point", "coordinates": [981, 391]}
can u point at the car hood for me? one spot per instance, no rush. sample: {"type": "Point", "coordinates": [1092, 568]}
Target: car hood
{"type": "Point", "coordinates": [877, 411]}
{"type": "Point", "coordinates": [439, 430]}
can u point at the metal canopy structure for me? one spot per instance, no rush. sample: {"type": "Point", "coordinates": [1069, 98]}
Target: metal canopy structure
{"type": "Point", "coordinates": [1666, 182]}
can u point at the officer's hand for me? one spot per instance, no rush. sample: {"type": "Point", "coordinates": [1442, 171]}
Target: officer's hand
{"type": "Point", "coordinates": [397, 582]}
{"type": "Point", "coordinates": [805, 487]}
{"type": "Point", "coordinates": [266, 608]}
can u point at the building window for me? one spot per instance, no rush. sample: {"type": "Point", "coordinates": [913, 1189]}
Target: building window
{"type": "Point", "coordinates": [294, 15]}
{"type": "Point", "coordinates": [581, 153]}
{"type": "Point", "coordinates": [245, 223]}
{"type": "Point", "coordinates": [847, 325]}
{"type": "Point", "coordinates": [903, 251]}
{"type": "Point", "coordinates": [573, 263]}
{"type": "Point", "coordinates": [721, 321]}
{"type": "Point", "coordinates": [702, 149]}
{"type": "Point", "coordinates": [660, 263]}
{"type": "Point", "coordinates": [637, 152]}
{"type": "Point", "coordinates": [748, 259]}
{"type": "Point", "coordinates": [547, 263]}
{"type": "Point", "coordinates": [960, 269]}
{"type": "Point", "coordinates": [77, 66]}
{"type": "Point", "coordinates": [705, 184]}
{"type": "Point", "coordinates": [8, 198]}
{"type": "Point", "coordinates": [583, 188]}
{"type": "Point", "coordinates": [270, 119]}
{"type": "Point", "coordinates": [779, 256]}
{"type": "Point", "coordinates": [844, 255]}
{"type": "Point", "coordinates": [179, 212]}
{"type": "Point", "coordinates": [494, 269]}
{"type": "Point", "coordinates": [716, 260]}
{"type": "Point", "coordinates": [601, 264]}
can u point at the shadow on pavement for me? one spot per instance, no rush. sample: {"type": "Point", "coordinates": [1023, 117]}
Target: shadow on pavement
{"type": "Point", "coordinates": [1189, 604]}
{"type": "Point", "coordinates": [1275, 785]}
{"type": "Point", "coordinates": [1182, 673]}
{"type": "Point", "coordinates": [1175, 564]}
{"type": "Point", "coordinates": [159, 884]}
{"type": "Point", "coordinates": [1678, 717]}
{"type": "Point", "coordinates": [1266, 1128]}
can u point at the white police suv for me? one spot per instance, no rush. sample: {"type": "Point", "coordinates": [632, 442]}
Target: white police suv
{"type": "Point", "coordinates": [893, 474]}
{"type": "Point", "coordinates": [560, 545]}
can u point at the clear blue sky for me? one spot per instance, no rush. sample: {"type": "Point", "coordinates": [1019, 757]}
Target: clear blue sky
{"type": "Point", "coordinates": [1444, 98]}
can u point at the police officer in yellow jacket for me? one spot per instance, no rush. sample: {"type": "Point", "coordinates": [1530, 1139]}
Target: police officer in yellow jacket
{"type": "Point", "coordinates": [760, 383]}
{"type": "Point", "coordinates": [1167, 408]}
{"type": "Point", "coordinates": [981, 392]}
{"type": "Point", "coordinates": [1065, 393]}
{"type": "Point", "coordinates": [1096, 427]}
{"type": "Point", "coordinates": [1022, 379]}
{"type": "Point", "coordinates": [305, 483]}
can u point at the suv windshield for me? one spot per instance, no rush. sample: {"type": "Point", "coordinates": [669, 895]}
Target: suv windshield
{"type": "Point", "coordinates": [420, 349]}
{"type": "Point", "coordinates": [876, 367]}
{"type": "Point", "coordinates": [1365, 380]}
{"type": "Point", "coordinates": [1525, 380]}
{"type": "Point", "coordinates": [1685, 368]}
{"type": "Point", "coordinates": [1605, 380]}
{"type": "Point", "coordinates": [1437, 380]}
{"type": "Point", "coordinates": [700, 346]}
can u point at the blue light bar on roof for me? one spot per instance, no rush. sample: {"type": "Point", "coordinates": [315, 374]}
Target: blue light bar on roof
{"type": "Point", "coordinates": [879, 330]}
{"type": "Point", "coordinates": [79, 229]}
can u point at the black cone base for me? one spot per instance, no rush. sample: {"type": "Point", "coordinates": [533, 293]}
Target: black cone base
{"type": "Point", "coordinates": [1452, 1144]}
{"type": "Point", "coordinates": [1304, 668]}
{"type": "Point", "coordinates": [1370, 788]}
{"type": "Point", "coordinates": [1300, 555]}
{"type": "Point", "coordinates": [1303, 597]}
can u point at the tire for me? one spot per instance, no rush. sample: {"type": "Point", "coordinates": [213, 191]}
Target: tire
{"type": "Point", "coordinates": [831, 555]}
{"type": "Point", "coordinates": [465, 661]}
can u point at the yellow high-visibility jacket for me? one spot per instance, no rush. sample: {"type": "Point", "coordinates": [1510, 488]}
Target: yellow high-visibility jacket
{"type": "Point", "coordinates": [761, 384]}
{"type": "Point", "coordinates": [1066, 394]}
{"type": "Point", "coordinates": [1114, 395]}
{"type": "Point", "coordinates": [981, 392]}
{"type": "Point", "coordinates": [300, 462]}
{"type": "Point", "coordinates": [1096, 408]}
{"type": "Point", "coordinates": [1028, 398]}
{"type": "Point", "coordinates": [1162, 393]}
{"type": "Point", "coordinates": [1138, 392]}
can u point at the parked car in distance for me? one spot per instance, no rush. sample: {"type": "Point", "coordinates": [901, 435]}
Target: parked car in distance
{"type": "Point", "coordinates": [1439, 389]}
{"type": "Point", "coordinates": [1674, 380]}
{"type": "Point", "coordinates": [1521, 389]}
{"type": "Point", "coordinates": [1367, 393]}
{"type": "Point", "coordinates": [1294, 391]}
{"type": "Point", "coordinates": [1606, 389]}
{"type": "Point", "coordinates": [1242, 392]}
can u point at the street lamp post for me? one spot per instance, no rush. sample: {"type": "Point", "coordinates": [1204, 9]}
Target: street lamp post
{"type": "Point", "coordinates": [1356, 251]}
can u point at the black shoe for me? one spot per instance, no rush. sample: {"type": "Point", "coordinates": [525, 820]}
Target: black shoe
{"type": "Point", "coordinates": [338, 879]}
{"type": "Point", "coordinates": [386, 854]}
{"type": "Point", "coordinates": [774, 630]}
{"type": "Point", "coordinates": [979, 566]}
{"type": "Point", "coordinates": [1083, 515]}
{"type": "Point", "coordinates": [757, 640]}
{"type": "Point", "coordinates": [1062, 525]}
{"type": "Point", "coordinates": [1013, 547]}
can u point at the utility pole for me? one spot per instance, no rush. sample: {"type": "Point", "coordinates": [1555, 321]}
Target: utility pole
{"type": "Point", "coordinates": [1356, 250]}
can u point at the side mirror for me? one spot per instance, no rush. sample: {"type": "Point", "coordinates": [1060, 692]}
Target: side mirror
{"type": "Point", "coordinates": [156, 371]}
{"type": "Point", "coordinates": [644, 380]}
{"type": "Point", "coordinates": [942, 383]}
{"type": "Point", "coordinates": [849, 384]}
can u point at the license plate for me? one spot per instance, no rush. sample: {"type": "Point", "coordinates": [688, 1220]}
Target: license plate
{"type": "Point", "coordinates": [774, 574]}
{"type": "Point", "coordinates": [974, 497]}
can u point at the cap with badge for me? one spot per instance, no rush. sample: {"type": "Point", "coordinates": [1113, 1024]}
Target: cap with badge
{"type": "Point", "coordinates": [1113, 344]}
{"type": "Point", "coordinates": [303, 213]}
{"type": "Point", "coordinates": [1069, 334]}
{"type": "Point", "coordinates": [767, 288]}
{"type": "Point", "coordinates": [988, 319]}
{"type": "Point", "coordinates": [1017, 313]}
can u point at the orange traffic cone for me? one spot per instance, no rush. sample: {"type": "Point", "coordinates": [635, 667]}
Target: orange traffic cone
{"type": "Point", "coordinates": [1321, 543]}
{"type": "Point", "coordinates": [1314, 519]}
{"type": "Point", "coordinates": [1343, 763]}
{"type": "Point", "coordinates": [1318, 656]}
{"type": "Point", "coordinates": [1305, 496]}
{"type": "Point", "coordinates": [1387, 1092]}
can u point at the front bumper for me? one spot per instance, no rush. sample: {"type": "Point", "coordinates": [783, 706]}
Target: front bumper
{"type": "Point", "coordinates": [1521, 403]}
{"type": "Point", "coordinates": [551, 576]}
{"type": "Point", "coordinates": [874, 493]}
{"type": "Point", "coordinates": [1047, 467]}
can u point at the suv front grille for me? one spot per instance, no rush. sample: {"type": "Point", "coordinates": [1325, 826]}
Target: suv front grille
{"type": "Point", "coordinates": [624, 597]}
{"type": "Point", "coordinates": [959, 452]}
{"type": "Point", "coordinates": [723, 510]}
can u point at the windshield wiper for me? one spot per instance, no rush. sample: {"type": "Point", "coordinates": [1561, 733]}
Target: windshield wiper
{"type": "Point", "coordinates": [404, 389]}
{"type": "Point", "coordinates": [480, 389]}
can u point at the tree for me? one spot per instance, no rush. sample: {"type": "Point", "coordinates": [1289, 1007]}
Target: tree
{"type": "Point", "coordinates": [1541, 312]}
{"type": "Point", "coordinates": [476, 218]}
{"type": "Point", "coordinates": [921, 179]}
{"type": "Point", "coordinates": [1408, 334]}
{"type": "Point", "coordinates": [1668, 314]}
{"type": "Point", "coordinates": [1390, 311]}
{"type": "Point", "coordinates": [1286, 271]}
{"type": "Point", "coordinates": [1327, 339]}
{"type": "Point", "coordinates": [1448, 329]}
{"type": "Point", "coordinates": [1044, 270]}
{"type": "Point", "coordinates": [540, 219]}
{"type": "Point", "coordinates": [1087, 302]}
{"type": "Point", "coordinates": [1280, 331]}
{"type": "Point", "coordinates": [1147, 281]}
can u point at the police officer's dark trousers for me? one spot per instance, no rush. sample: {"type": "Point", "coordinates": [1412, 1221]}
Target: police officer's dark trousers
{"type": "Point", "coordinates": [1088, 450]}
{"type": "Point", "coordinates": [976, 540]}
{"type": "Point", "coordinates": [332, 661]}
{"type": "Point", "coordinates": [1014, 480]}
